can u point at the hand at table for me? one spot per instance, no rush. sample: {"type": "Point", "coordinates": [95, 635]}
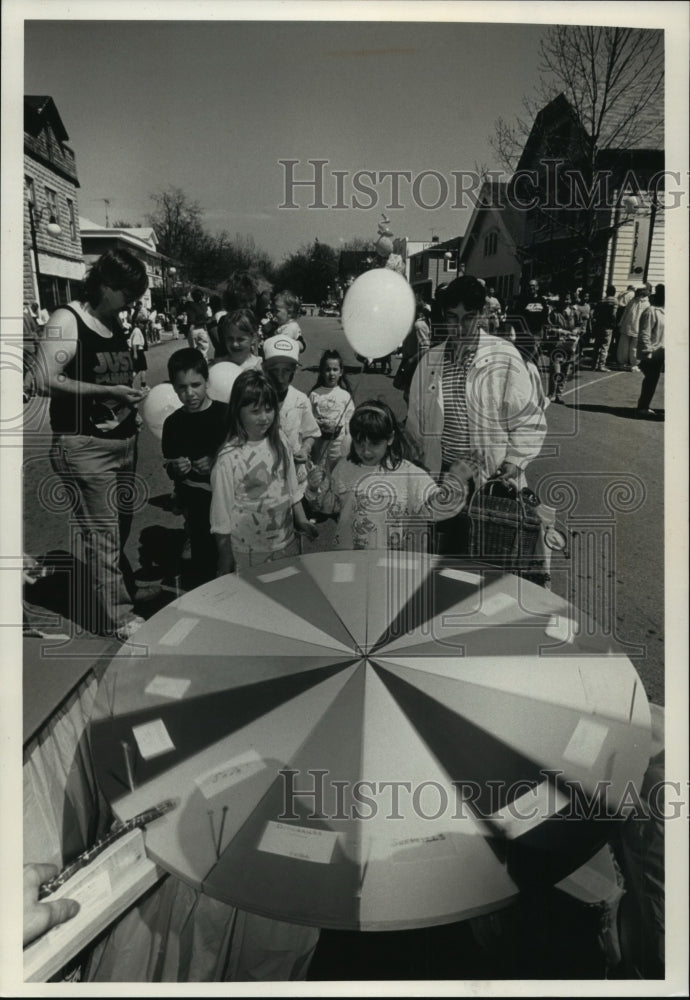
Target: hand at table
{"type": "Point", "coordinates": [40, 917]}
{"type": "Point", "coordinates": [307, 529]}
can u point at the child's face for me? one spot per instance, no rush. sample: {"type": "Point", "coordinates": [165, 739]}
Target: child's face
{"type": "Point", "coordinates": [192, 390]}
{"type": "Point", "coordinates": [372, 452]}
{"type": "Point", "coordinates": [280, 310]}
{"type": "Point", "coordinates": [257, 420]}
{"type": "Point", "coordinates": [332, 372]}
{"type": "Point", "coordinates": [201, 341]}
{"type": "Point", "coordinates": [281, 374]}
{"type": "Point", "coordinates": [238, 344]}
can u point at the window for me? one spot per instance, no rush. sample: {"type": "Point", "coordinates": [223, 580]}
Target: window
{"type": "Point", "coordinates": [450, 264]}
{"type": "Point", "coordinates": [51, 204]}
{"type": "Point", "coordinates": [490, 244]}
{"type": "Point", "coordinates": [72, 220]}
{"type": "Point", "coordinates": [418, 265]}
{"type": "Point", "coordinates": [30, 190]}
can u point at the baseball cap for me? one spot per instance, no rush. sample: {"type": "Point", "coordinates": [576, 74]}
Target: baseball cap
{"type": "Point", "coordinates": [281, 347]}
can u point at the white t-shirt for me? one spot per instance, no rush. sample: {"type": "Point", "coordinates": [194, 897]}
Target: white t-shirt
{"type": "Point", "coordinates": [250, 501]}
{"type": "Point", "coordinates": [334, 408]}
{"type": "Point", "coordinates": [385, 509]}
{"type": "Point", "coordinates": [297, 422]}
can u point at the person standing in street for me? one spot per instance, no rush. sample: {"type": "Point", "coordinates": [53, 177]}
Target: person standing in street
{"type": "Point", "coordinates": [473, 406]}
{"type": "Point", "coordinates": [650, 350]}
{"type": "Point", "coordinates": [629, 329]}
{"type": "Point", "coordinates": [87, 371]}
{"type": "Point", "coordinates": [534, 309]}
{"type": "Point", "coordinates": [603, 325]}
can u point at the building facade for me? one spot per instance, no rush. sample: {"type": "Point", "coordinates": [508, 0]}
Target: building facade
{"type": "Point", "coordinates": [490, 246]}
{"type": "Point", "coordinates": [140, 241]}
{"type": "Point", "coordinates": [53, 266]}
{"type": "Point", "coordinates": [577, 229]}
{"type": "Point", "coordinates": [435, 265]}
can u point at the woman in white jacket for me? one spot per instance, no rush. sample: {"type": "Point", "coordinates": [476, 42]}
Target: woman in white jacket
{"type": "Point", "coordinates": [473, 401]}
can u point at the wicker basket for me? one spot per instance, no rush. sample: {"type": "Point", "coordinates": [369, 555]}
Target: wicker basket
{"type": "Point", "coordinates": [505, 526]}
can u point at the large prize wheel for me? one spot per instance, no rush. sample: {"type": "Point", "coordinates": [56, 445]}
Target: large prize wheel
{"type": "Point", "coordinates": [371, 740]}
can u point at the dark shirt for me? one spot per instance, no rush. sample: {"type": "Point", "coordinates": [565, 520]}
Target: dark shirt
{"type": "Point", "coordinates": [99, 361]}
{"type": "Point", "coordinates": [195, 435]}
{"type": "Point", "coordinates": [604, 314]}
{"type": "Point", "coordinates": [535, 311]}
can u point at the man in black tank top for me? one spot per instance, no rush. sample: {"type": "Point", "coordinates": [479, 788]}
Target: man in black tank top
{"type": "Point", "coordinates": [88, 372]}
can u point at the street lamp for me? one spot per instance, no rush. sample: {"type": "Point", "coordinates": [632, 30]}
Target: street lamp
{"type": "Point", "coordinates": [52, 228]}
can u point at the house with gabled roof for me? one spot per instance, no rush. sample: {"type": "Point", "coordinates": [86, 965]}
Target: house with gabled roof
{"type": "Point", "coordinates": [490, 248]}
{"type": "Point", "coordinates": [589, 230]}
{"type": "Point", "coordinates": [53, 267]}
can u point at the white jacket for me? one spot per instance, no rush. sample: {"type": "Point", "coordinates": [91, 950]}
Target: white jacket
{"type": "Point", "coordinates": [504, 410]}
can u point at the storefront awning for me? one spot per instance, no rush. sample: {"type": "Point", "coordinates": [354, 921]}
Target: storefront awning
{"type": "Point", "coordinates": [61, 267]}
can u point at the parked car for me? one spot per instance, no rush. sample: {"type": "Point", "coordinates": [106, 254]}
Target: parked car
{"type": "Point", "coordinates": [329, 309]}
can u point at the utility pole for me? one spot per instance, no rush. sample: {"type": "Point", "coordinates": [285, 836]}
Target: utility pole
{"type": "Point", "coordinates": [106, 202]}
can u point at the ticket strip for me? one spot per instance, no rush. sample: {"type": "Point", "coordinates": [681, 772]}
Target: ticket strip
{"type": "Point", "coordinates": [119, 830]}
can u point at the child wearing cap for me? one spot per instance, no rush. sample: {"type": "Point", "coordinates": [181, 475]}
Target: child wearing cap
{"type": "Point", "coordinates": [297, 420]}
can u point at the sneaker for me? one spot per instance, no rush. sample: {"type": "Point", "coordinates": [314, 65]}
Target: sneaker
{"type": "Point", "coordinates": [645, 413]}
{"type": "Point", "coordinates": [602, 368]}
{"type": "Point", "coordinates": [128, 628]}
{"type": "Point", "coordinates": [635, 368]}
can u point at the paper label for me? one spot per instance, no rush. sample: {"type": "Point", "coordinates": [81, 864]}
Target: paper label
{"type": "Point", "coordinates": [560, 628]}
{"type": "Point", "coordinates": [343, 572]}
{"type": "Point", "coordinates": [179, 631]}
{"type": "Point", "coordinates": [300, 842]}
{"type": "Point", "coordinates": [168, 687]}
{"type": "Point", "coordinates": [280, 574]}
{"type": "Point", "coordinates": [226, 775]}
{"type": "Point", "coordinates": [497, 602]}
{"type": "Point", "coordinates": [153, 739]}
{"type": "Point", "coordinates": [586, 742]}
{"type": "Point", "coordinates": [529, 810]}
{"type": "Point", "coordinates": [462, 575]}
{"type": "Point", "coordinates": [408, 850]}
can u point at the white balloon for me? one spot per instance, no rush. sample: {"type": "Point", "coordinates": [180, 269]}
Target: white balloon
{"type": "Point", "coordinates": [161, 401]}
{"type": "Point", "coordinates": [378, 312]}
{"type": "Point", "coordinates": [221, 378]}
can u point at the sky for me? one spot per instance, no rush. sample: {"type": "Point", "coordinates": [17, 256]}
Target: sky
{"type": "Point", "coordinates": [213, 108]}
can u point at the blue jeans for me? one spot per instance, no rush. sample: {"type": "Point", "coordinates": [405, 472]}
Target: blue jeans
{"type": "Point", "coordinates": [100, 476]}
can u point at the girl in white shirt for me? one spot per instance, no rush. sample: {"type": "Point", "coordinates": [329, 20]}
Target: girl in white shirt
{"type": "Point", "coordinates": [255, 505]}
{"type": "Point", "coordinates": [333, 406]}
{"type": "Point", "coordinates": [381, 499]}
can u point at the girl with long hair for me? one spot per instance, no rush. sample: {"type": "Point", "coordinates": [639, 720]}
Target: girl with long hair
{"type": "Point", "coordinates": [256, 509]}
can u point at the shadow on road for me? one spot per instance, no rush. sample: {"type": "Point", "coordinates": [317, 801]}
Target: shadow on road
{"type": "Point", "coordinates": [626, 412]}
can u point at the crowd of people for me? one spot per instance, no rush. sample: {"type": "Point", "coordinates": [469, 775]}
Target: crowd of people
{"type": "Point", "coordinates": [254, 475]}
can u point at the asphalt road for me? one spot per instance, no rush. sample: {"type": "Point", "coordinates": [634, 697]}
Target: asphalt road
{"type": "Point", "coordinates": [601, 468]}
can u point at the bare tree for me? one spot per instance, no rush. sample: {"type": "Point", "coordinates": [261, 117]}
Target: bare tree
{"type": "Point", "coordinates": [608, 86]}
{"type": "Point", "coordinates": [612, 77]}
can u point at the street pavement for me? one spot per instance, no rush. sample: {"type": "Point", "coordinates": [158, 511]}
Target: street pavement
{"type": "Point", "coordinates": [601, 468]}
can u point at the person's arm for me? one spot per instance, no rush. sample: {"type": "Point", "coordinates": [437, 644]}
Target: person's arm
{"type": "Point", "coordinates": [222, 504]}
{"type": "Point", "coordinates": [40, 917]}
{"type": "Point", "coordinates": [644, 347]}
{"type": "Point", "coordinates": [303, 525]}
{"type": "Point", "coordinates": [178, 465]}
{"type": "Point", "coordinates": [525, 421]}
{"type": "Point", "coordinates": [56, 348]}
{"type": "Point", "coordinates": [226, 558]}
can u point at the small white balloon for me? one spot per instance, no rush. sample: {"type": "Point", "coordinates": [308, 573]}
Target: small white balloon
{"type": "Point", "coordinates": [378, 312]}
{"type": "Point", "coordinates": [221, 378]}
{"type": "Point", "coordinates": [161, 401]}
